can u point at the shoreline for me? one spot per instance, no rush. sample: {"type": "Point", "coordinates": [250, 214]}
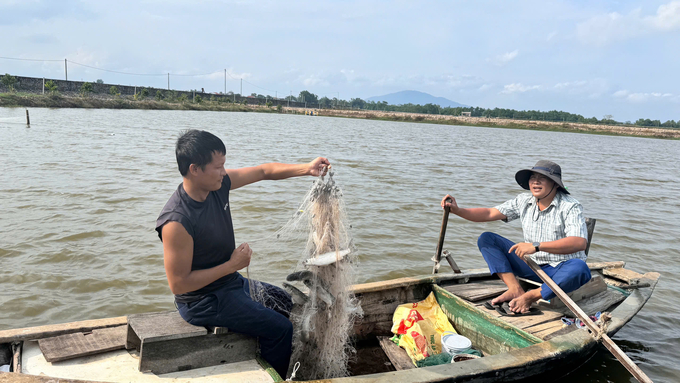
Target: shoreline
{"type": "Point", "coordinates": [96, 102]}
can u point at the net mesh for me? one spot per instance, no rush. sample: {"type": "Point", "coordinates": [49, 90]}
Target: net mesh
{"type": "Point", "coordinates": [324, 310]}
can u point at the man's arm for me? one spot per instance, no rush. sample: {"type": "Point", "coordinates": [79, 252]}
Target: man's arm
{"type": "Point", "coordinates": [178, 253]}
{"type": "Point", "coordinates": [477, 214]}
{"type": "Point", "coordinates": [275, 171]}
{"type": "Point", "coordinates": [566, 245]}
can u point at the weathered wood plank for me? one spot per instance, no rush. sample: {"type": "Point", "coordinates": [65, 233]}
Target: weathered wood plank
{"type": "Point", "coordinates": [550, 328]}
{"type": "Point", "coordinates": [594, 286]}
{"type": "Point", "coordinates": [598, 302]}
{"type": "Point", "coordinates": [33, 333]}
{"type": "Point", "coordinates": [188, 353]}
{"type": "Point", "coordinates": [475, 291]}
{"type": "Point", "coordinates": [397, 355]}
{"type": "Point", "coordinates": [157, 327]}
{"type": "Point", "coordinates": [69, 346]}
{"type": "Point", "coordinates": [628, 276]}
{"type": "Point", "coordinates": [17, 349]}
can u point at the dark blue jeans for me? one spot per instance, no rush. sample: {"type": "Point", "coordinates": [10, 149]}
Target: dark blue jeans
{"type": "Point", "coordinates": [232, 307]}
{"type": "Point", "coordinates": [569, 275]}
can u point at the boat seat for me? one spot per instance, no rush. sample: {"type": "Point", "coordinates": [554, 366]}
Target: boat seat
{"type": "Point", "coordinates": [167, 343]}
{"type": "Point", "coordinates": [594, 286]}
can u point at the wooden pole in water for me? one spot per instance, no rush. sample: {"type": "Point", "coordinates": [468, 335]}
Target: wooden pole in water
{"type": "Point", "coordinates": [592, 327]}
{"type": "Point", "coordinates": [28, 119]}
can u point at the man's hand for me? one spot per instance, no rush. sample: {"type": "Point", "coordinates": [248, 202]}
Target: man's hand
{"type": "Point", "coordinates": [449, 202]}
{"type": "Point", "coordinates": [522, 249]}
{"type": "Point", "coordinates": [240, 257]}
{"type": "Point", "coordinates": [318, 167]}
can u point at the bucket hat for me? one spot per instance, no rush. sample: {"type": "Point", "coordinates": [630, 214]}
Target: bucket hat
{"type": "Point", "coordinates": [544, 167]}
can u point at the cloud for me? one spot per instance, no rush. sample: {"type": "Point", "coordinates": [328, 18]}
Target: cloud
{"type": "Point", "coordinates": [519, 88]}
{"type": "Point", "coordinates": [591, 88]}
{"type": "Point", "coordinates": [611, 27]}
{"type": "Point", "coordinates": [505, 58]}
{"type": "Point", "coordinates": [644, 97]}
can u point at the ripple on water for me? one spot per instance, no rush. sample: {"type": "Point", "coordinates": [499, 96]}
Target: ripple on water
{"type": "Point", "coordinates": [82, 236]}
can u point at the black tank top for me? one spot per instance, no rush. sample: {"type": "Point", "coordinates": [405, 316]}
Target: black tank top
{"type": "Point", "coordinates": [209, 224]}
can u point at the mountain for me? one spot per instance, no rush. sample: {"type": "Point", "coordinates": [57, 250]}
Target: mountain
{"type": "Point", "coordinates": [415, 97]}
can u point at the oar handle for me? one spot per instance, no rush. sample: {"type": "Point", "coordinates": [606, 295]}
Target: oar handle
{"type": "Point", "coordinates": [594, 330]}
{"type": "Point", "coordinates": [440, 244]}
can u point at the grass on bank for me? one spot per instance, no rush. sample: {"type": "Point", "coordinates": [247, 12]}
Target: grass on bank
{"type": "Point", "coordinates": [56, 100]}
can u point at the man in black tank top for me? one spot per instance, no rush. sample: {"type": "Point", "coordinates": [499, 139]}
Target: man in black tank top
{"type": "Point", "coordinates": [200, 254]}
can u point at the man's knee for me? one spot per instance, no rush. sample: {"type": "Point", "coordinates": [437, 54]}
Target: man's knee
{"type": "Point", "coordinates": [485, 239]}
{"type": "Point", "coordinates": [581, 270]}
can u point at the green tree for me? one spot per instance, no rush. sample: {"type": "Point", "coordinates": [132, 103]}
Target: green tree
{"type": "Point", "coordinates": [9, 81]}
{"type": "Point", "coordinates": [183, 98]}
{"type": "Point", "coordinates": [198, 98]}
{"type": "Point", "coordinates": [145, 93]}
{"type": "Point", "coordinates": [357, 103]}
{"type": "Point", "coordinates": [290, 98]}
{"type": "Point", "coordinates": [86, 88]}
{"type": "Point", "coordinates": [51, 87]}
{"type": "Point", "coordinates": [308, 97]}
{"type": "Point", "coordinates": [269, 104]}
{"type": "Point", "coordinates": [279, 108]}
{"type": "Point", "coordinates": [100, 81]}
{"type": "Point", "coordinates": [159, 95]}
{"type": "Point", "coordinates": [325, 102]}
{"type": "Point", "coordinates": [113, 90]}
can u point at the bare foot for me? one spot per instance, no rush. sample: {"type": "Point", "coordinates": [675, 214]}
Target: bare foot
{"type": "Point", "coordinates": [509, 295]}
{"type": "Point", "coordinates": [522, 304]}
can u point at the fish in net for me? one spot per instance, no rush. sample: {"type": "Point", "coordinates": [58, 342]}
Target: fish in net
{"type": "Point", "coordinates": [324, 309]}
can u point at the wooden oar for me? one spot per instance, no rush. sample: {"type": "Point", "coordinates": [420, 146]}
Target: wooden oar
{"type": "Point", "coordinates": [438, 253]}
{"type": "Point", "coordinates": [594, 330]}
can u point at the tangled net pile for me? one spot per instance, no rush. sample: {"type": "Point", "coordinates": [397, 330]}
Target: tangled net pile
{"type": "Point", "coordinates": [324, 315]}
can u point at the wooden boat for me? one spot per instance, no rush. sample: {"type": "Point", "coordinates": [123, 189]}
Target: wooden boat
{"type": "Point", "coordinates": [514, 348]}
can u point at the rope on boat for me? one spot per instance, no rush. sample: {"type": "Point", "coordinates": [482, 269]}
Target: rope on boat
{"type": "Point", "coordinates": [295, 368]}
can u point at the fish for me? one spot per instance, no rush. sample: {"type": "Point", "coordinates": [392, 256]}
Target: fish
{"type": "Point", "coordinates": [298, 297]}
{"type": "Point", "coordinates": [327, 258]}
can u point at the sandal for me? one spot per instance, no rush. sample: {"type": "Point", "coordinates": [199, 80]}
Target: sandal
{"type": "Point", "coordinates": [505, 310]}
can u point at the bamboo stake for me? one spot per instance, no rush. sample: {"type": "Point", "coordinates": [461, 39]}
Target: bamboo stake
{"type": "Point", "coordinates": [592, 327]}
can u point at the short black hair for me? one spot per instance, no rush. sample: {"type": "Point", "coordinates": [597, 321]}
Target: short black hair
{"type": "Point", "coordinates": [196, 147]}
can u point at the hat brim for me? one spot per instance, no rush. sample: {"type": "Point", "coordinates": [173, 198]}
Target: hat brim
{"type": "Point", "coordinates": [522, 178]}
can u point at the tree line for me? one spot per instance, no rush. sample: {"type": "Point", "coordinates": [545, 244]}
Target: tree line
{"type": "Point", "coordinates": [530, 115]}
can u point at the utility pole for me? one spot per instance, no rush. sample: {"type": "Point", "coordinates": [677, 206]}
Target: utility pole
{"type": "Point", "coordinates": [225, 81]}
{"type": "Point", "coordinates": [241, 87]}
{"type": "Point", "coordinates": [66, 68]}
{"type": "Point", "coordinates": [168, 80]}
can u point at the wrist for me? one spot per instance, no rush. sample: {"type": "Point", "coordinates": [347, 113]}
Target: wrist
{"type": "Point", "coordinates": [537, 246]}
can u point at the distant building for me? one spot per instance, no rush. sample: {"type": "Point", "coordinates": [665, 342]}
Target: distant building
{"type": "Point", "coordinates": [466, 114]}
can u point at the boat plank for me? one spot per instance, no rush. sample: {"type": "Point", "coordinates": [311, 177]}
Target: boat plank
{"type": "Point", "coordinates": [598, 302]}
{"type": "Point", "coordinates": [397, 355]}
{"type": "Point", "coordinates": [629, 276]}
{"type": "Point", "coordinates": [69, 346]}
{"type": "Point", "coordinates": [475, 291]}
{"type": "Point", "coordinates": [549, 328]}
{"type": "Point", "coordinates": [33, 333]}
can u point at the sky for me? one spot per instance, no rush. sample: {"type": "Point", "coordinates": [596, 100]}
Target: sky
{"type": "Point", "coordinates": [595, 58]}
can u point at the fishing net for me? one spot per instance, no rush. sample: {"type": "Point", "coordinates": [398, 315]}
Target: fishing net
{"type": "Point", "coordinates": [324, 309]}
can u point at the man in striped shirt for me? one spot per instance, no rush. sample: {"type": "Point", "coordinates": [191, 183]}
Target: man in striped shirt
{"type": "Point", "coordinates": [555, 236]}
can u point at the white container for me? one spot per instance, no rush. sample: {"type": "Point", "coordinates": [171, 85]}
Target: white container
{"type": "Point", "coordinates": [455, 344]}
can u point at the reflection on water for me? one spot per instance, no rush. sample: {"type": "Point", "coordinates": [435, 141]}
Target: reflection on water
{"type": "Point", "coordinates": [81, 190]}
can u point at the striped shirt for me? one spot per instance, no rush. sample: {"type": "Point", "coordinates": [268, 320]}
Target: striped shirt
{"type": "Point", "coordinates": [563, 218]}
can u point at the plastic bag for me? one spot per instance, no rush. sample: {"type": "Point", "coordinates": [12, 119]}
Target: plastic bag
{"type": "Point", "coordinates": [419, 327]}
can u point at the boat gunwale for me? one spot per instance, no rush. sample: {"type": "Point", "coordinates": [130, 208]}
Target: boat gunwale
{"type": "Point", "coordinates": [500, 366]}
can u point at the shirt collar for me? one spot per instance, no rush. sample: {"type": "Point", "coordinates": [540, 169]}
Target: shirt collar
{"type": "Point", "coordinates": [555, 202]}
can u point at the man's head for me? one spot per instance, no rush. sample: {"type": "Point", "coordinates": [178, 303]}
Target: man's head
{"type": "Point", "coordinates": [542, 179]}
{"type": "Point", "coordinates": [200, 157]}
